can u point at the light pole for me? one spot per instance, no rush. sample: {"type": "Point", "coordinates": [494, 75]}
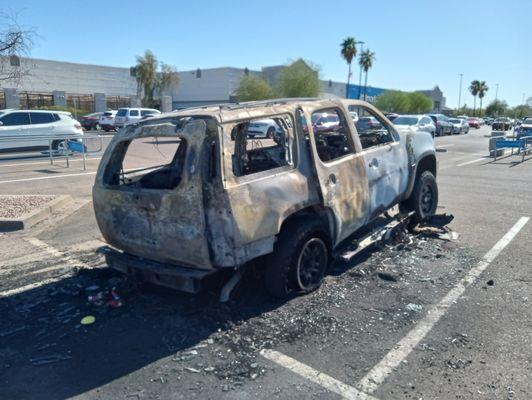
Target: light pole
{"type": "Point", "coordinates": [360, 74]}
{"type": "Point", "coordinates": [460, 92]}
{"type": "Point", "coordinates": [496, 91]}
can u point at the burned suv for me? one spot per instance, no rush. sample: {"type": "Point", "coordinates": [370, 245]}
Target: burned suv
{"type": "Point", "coordinates": [221, 197]}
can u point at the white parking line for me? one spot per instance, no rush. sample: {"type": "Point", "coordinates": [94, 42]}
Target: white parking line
{"type": "Point", "coordinates": [65, 261]}
{"type": "Point", "coordinates": [48, 177]}
{"type": "Point", "coordinates": [445, 145]}
{"type": "Point", "coordinates": [378, 374]}
{"type": "Point", "coordinates": [324, 380]}
{"type": "Point", "coordinates": [471, 162]}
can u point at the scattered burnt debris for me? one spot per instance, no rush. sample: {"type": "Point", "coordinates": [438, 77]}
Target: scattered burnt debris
{"type": "Point", "coordinates": [198, 336]}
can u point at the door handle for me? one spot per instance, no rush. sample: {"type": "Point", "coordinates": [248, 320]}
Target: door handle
{"type": "Point", "coordinates": [374, 163]}
{"type": "Point", "coordinates": [331, 180]}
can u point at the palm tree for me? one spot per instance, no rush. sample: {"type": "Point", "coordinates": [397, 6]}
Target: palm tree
{"type": "Point", "coordinates": [474, 89]}
{"type": "Point", "coordinates": [348, 52]}
{"type": "Point", "coordinates": [482, 89]}
{"type": "Point", "coordinates": [366, 62]}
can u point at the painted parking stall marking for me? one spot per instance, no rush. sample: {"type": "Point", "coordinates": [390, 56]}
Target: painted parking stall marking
{"type": "Point", "coordinates": [378, 374]}
{"type": "Point", "coordinates": [309, 373]}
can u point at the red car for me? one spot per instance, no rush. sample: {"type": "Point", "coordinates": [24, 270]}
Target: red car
{"type": "Point", "coordinates": [473, 123]}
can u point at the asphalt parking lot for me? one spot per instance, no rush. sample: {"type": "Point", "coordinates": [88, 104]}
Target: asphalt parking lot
{"type": "Point", "coordinates": [433, 319]}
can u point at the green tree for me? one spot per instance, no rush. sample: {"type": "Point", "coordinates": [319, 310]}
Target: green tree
{"type": "Point", "coordinates": [348, 52]}
{"type": "Point", "coordinates": [393, 101]}
{"type": "Point", "coordinates": [152, 77]}
{"type": "Point", "coordinates": [482, 89]}
{"type": "Point", "coordinates": [298, 80]}
{"type": "Point", "coordinates": [403, 102]}
{"type": "Point", "coordinates": [254, 88]}
{"type": "Point", "coordinates": [366, 62]}
{"type": "Point", "coordinates": [474, 88]}
{"type": "Point", "coordinates": [419, 103]}
{"type": "Point", "coordinates": [521, 111]}
{"type": "Point", "coordinates": [497, 108]}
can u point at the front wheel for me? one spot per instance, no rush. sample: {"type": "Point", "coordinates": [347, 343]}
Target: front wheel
{"type": "Point", "coordinates": [299, 260]}
{"type": "Point", "coordinates": [424, 198]}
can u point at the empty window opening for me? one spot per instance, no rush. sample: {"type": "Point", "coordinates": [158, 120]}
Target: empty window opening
{"type": "Point", "coordinates": [372, 130]}
{"type": "Point", "coordinates": [148, 162]}
{"type": "Point", "coordinates": [261, 145]}
{"type": "Point", "coordinates": [332, 136]}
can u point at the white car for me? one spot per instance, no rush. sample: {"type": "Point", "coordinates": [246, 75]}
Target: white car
{"type": "Point", "coordinates": [264, 128]}
{"type": "Point", "coordinates": [420, 123]}
{"type": "Point", "coordinates": [35, 128]}
{"type": "Point", "coordinates": [107, 120]}
{"type": "Point", "coordinates": [126, 116]}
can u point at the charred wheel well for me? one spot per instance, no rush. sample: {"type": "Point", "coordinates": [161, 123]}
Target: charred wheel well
{"type": "Point", "coordinates": [315, 211]}
{"type": "Point", "coordinates": [427, 163]}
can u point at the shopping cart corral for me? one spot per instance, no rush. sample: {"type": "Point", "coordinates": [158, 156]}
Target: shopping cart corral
{"type": "Point", "coordinates": [59, 146]}
{"type": "Point", "coordinates": [519, 146]}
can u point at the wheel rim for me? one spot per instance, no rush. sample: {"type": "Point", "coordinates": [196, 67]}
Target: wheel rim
{"type": "Point", "coordinates": [427, 199]}
{"type": "Point", "coordinates": [60, 146]}
{"type": "Point", "coordinates": [311, 263]}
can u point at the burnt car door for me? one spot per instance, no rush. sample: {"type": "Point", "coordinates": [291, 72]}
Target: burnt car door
{"type": "Point", "coordinates": [385, 158]}
{"type": "Point", "coordinates": [339, 167]}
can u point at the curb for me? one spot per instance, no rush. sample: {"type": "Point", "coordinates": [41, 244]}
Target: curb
{"type": "Point", "coordinates": [28, 220]}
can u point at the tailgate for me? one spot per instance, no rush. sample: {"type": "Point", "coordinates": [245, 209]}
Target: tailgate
{"type": "Point", "coordinates": [157, 214]}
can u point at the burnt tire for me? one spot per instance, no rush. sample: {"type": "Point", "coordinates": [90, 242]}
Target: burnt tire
{"type": "Point", "coordinates": [299, 260]}
{"type": "Point", "coordinates": [424, 198]}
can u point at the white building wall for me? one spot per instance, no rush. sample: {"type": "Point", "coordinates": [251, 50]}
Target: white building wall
{"type": "Point", "coordinates": [46, 76]}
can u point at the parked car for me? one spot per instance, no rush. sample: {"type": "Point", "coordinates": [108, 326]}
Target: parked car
{"type": "Point", "coordinates": [325, 122]}
{"type": "Point", "coordinates": [107, 120]}
{"type": "Point", "coordinates": [218, 203]}
{"type": "Point", "coordinates": [473, 123]}
{"type": "Point", "coordinates": [365, 123]}
{"type": "Point", "coordinates": [34, 127]}
{"type": "Point", "coordinates": [460, 125]}
{"type": "Point", "coordinates": [126, 116]}
{"type": "Point", "coordinates": [264, 128]}
{"type": "Point", "coordinates": [354, 116]}
{"type": "Point", "coordinates": [91, 121]}
{"type": "Point", "coordinates": [415, 122]}
{"type": "Point", "coordinates": [488, 120]}
{"type": "Point", "coordinates": [443, 126]}
{"type": "Point", "coordinates": [525, 129]}
{"type": "Point", "coordinates": [392, 116]}
{"type": "Point", "coordinates": [501, 124]}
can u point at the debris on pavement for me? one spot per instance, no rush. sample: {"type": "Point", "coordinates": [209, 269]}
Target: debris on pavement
{"type": "Point", "coordinates": [436, 226]}
{"type": "Point", "coordinates": [50, 359]}
{"type": "Point", "coordinates": [88, 320]}
{"type": "Point", "coordinates": [414, 307]}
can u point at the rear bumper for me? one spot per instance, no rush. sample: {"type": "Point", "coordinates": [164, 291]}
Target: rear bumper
{"type": "Point", "coordinates": [173, 276]}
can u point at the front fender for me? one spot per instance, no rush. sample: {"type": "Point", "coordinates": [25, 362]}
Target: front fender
{"type": "Point", "coordinates": [421, 150]}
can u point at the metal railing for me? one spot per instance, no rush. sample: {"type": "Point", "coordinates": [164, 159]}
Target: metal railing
{"type": "Point", "coordinates": [74, 143]}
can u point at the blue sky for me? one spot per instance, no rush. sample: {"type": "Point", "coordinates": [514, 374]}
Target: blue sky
{"type": "Point", "coordinates": [418, 44]}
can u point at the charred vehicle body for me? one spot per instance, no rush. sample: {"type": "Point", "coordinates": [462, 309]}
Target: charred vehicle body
{"type": "Point", "coordinates": [225, 198]}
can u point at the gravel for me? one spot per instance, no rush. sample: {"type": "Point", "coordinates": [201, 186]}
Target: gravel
{"type": "Point", "coordinates": [18, 206]}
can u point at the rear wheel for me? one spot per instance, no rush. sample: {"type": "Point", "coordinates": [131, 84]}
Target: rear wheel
{"type": "Point", "coordinates": [299, 260]}
{"type": "Point", "coordinates": [58, 145]}
{"type": "Point", "coordinates": [424, 198]}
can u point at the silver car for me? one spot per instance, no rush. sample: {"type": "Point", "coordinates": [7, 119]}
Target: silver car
{"type": "Point", "coordinates": [460, 125]}
{"type": "Point", "coordinates": [419, 122]}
